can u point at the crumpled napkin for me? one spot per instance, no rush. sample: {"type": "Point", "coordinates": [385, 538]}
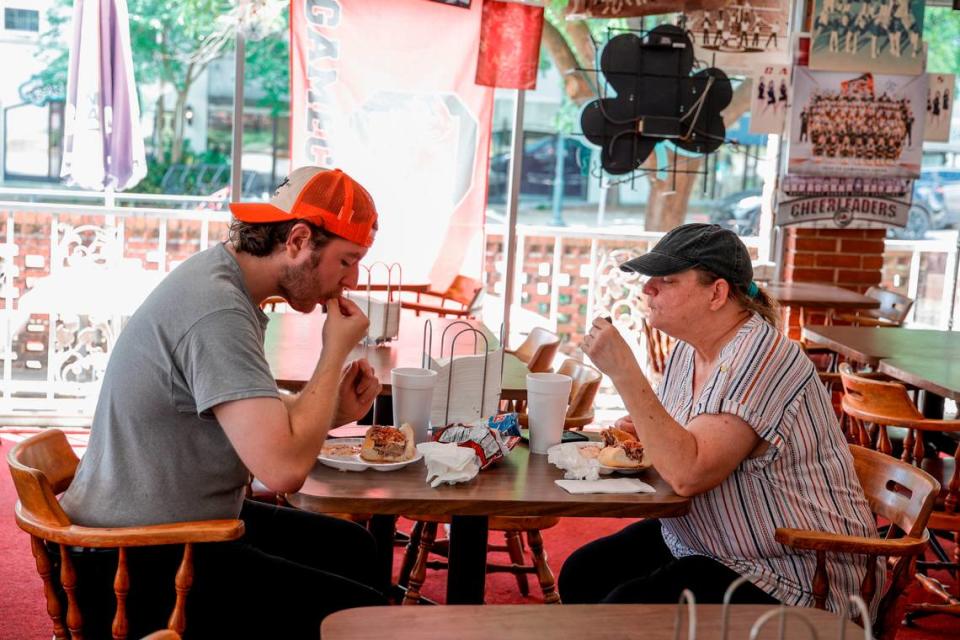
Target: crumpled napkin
{"type": "Point", "coordinates": [567, 457]}
{"type": "Point", "coordinates": [447, 462]}
{"type": "Point", "coordinates": [612, 485]}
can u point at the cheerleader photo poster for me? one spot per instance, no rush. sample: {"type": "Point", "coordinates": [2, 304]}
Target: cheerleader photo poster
{"type": "Point", "coordinates": [740, 37]}
{"type": "Point", "coordinates": [771, 99]}
{"type": "Point", "coordinates": [940, 92]}
{"type": "Point", "coordinates": [882, 36]}
{"type": "Point", "coordinates": [852, 124]}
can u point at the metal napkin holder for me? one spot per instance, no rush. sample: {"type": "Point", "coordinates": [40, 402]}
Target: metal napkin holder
{"type": "Point", "coordinates": [781, 614]}
{"type": "Point", "coordinates": [378, 335]}
{"type": "Point", "coordinates": [427, 358]}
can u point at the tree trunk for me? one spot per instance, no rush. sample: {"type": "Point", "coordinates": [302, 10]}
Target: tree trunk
{"type": "Point", "coordinates": [669, 198]}
{"type": "Point", "coordinates": [176, 151]}
{"type": "Point", "coordinates": [158, 126]}
{"type": "Point", "coordinates": [575, 82]}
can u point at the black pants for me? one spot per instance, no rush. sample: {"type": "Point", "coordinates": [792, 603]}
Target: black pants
{"type": "Point", "coordinates": [635, 566]}
{"type": "Point", "coordinates": [289, 571]}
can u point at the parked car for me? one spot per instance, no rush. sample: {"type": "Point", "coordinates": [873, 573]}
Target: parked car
{"type": "Point", "coordinates": [936, 204]}
{"type": "Point", "coordinates": [540, 167]}
{"type": "Point", "coordinates": [739, 212]}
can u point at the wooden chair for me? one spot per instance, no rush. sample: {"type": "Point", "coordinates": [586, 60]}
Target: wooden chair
{"type": "Point", "coordinates": [42, 467]}
{"type": "Point", "coordinates": [875, 407]}
{"type": "Point", "coordinates": [461, 299]}
{"type": "Point", "coordinates": [586, 383]}
{"type": "Point", "coordinates": [892, 311]}
{"type": "Point", "coordinates": [423, 542]}
{"type": "Point", "coordinates": [270, 304]}
{"type": "Point", "coordinates": [538, 350]}
{"type": "Point", "coordinates": [897, 492]}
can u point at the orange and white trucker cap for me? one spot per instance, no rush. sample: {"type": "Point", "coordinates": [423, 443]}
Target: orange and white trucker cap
{"type": "Point", "coordinates": [328, 198]}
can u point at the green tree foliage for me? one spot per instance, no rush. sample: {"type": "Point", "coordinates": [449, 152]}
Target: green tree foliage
{"type": "Point", "coordinates": [941, 31]}
{"type": "Point", "coordinates": [172, 43]}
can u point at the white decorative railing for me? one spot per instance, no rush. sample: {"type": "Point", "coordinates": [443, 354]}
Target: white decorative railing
{"type": "Point", "coordinates": [70, 274]}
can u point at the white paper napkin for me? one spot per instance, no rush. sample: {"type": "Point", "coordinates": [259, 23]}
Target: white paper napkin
{"type": "Point", "coordinates": [567, 457]}
{"type": "Point", "coordinates": [612, 485]}
{"type": "Point", "coordinates": [447, 462]}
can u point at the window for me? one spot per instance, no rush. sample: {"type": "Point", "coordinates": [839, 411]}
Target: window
{"type": "Point", "coordinates": [21, 20]}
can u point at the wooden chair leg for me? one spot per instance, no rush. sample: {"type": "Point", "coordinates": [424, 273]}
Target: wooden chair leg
{"type": "Point", "coordinates": [419, 572]}
{"type": "Point", "coordinates": [515, 549]}
{"type": "Point", "coordinates": [548, 585]}
{"type": "Point", "coordinates": [410, 554]}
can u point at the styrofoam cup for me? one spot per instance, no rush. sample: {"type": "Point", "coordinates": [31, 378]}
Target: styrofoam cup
{"type": "Point", "coordinates": [547, 397]}
{"type": "Point", "coordinates": [412, 391]}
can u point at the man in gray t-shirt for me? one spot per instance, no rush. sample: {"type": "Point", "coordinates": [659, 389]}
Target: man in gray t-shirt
{"type": "Point", "coordinates": [189, 410]}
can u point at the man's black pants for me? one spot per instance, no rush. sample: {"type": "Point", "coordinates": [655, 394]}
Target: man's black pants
{"type": "Point", "coordinates": [289, 571]}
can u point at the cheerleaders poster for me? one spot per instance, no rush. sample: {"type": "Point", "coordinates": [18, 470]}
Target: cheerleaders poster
{"type": "Point", "coordinates": [940, 92]}
{"type": "Point", "coordinates": [771, 99]}
{"type": "Point", "coordinates": [881, 36]}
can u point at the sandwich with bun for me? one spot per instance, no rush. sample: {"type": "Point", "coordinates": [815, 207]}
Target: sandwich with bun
{"type": "Point", "coordinates": [621, 449]}
{"type": "Point", "coordinates": [388, 444]}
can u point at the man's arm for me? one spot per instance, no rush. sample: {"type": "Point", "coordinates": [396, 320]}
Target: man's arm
{"type": "Point", "coordinates": [279, 440]}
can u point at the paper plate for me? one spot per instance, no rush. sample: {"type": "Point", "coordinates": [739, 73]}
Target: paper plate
{"type": "Point", "coordinates": [356, 463]}
{"type": "Point", "coordinates": [605, 470]}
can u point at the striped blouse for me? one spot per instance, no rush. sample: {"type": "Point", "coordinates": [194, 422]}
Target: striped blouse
{"type": "Point", "coordinates": [804, 480]}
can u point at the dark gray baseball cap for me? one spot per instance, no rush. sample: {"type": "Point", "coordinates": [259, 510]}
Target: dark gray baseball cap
{"type": "Point", "coordinates": [708, 246]}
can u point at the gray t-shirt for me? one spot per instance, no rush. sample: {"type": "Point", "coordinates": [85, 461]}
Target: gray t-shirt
{"type": "Point", "coordinates": [156, 452]}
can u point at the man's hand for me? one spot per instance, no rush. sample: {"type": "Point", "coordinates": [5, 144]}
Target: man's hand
{"type": "Point", "coordinates": [344, 326]}
{"type": "Point", "coordinates": [608, 350]}
{"type": "Point", "coordinates": [359, 387]}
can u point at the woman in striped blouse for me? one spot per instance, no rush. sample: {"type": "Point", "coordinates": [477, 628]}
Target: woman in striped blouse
{"type": "Point", "coordinates": [741, 424]}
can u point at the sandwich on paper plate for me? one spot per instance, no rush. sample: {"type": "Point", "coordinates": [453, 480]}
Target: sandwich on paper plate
{"type": "Point", "coordinates": [621, 449]}
{"type": "Point", "coordinates": [387, 444]}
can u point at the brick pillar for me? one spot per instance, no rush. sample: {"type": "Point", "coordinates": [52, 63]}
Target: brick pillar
{"type": "Point", "coordinates": [849, 258]}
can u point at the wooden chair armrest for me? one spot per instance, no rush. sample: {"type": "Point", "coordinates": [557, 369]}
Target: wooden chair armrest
{"type": "Point", "coordinates": [836, 543]}
{"type": "Point", "coordinates": [157, 534]}
{"type": "Point", "coordinates": [867, 321]}
{"type": "Point", "coordinates": [432, 309]}
{"type": "Point", "coordinates": [935, 425]}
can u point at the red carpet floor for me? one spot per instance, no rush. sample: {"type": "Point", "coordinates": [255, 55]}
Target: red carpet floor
{"type": "Point", "coordinates": [23, 613]}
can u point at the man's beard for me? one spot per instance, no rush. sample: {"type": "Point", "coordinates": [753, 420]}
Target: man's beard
{"type": "Point", "coordinates": [295, 285]}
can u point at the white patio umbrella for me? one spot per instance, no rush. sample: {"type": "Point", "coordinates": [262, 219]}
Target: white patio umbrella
{"type": "Point", "coordinates": [103, 142]}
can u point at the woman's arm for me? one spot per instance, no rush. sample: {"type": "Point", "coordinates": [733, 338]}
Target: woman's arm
{"type": "Point", "coordinates": [692, 459]}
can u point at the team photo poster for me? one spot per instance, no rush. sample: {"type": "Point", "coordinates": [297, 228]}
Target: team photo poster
{"type": "Point", "coordinates": [848, 124]}
{"type": "Point", "coordinates": [880, 36]}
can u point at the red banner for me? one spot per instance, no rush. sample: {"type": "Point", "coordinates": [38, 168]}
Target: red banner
{"type": "Point", "coordinates": [386, 92]}
{"type": "Point", "coordinates": [509, 45]}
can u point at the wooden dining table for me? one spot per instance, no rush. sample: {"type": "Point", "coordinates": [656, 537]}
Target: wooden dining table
{"type": "Point", "coordinates": [578, 621]}
{"type": "Point", "coordinates": [522, 484]}
{"type": "Point", "coordinates": [817, 295]}
{"type": "Point", "coordinates": [293, 343]}
{"type": "Point", "coordinates": [924, 358]}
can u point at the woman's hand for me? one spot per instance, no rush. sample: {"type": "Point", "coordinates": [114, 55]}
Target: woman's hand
{"type": "Point", "coordinates": [626, 424]}
{"type": "Point", "coordinates": [608, 350]}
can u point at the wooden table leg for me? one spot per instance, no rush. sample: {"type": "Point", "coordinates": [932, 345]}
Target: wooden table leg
{"type": "Point", "coordinates": [932, 405]}
{"type": "Point", "coordinates": [468, 560]}
{"type": "Point", "coordinates": [383, 528]}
